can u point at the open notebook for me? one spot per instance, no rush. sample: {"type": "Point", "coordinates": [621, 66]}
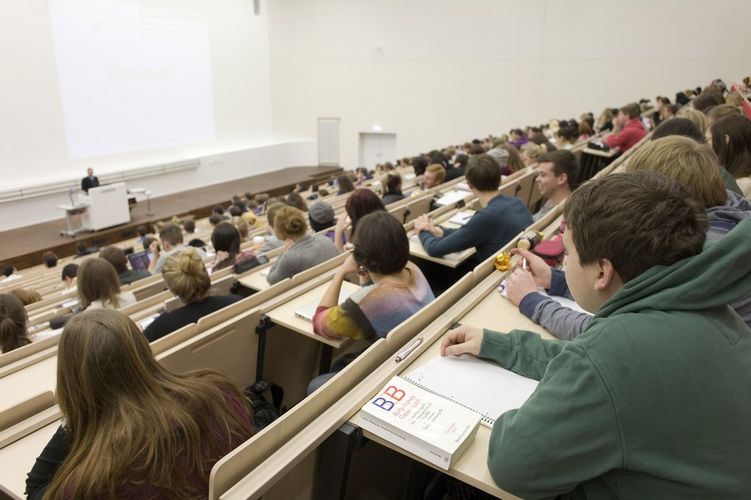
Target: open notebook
{"type": "Point", "coordinates": [478, 385]}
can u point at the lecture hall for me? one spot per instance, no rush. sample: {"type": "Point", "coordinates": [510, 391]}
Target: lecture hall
{"type": "Point", "coordinates": [329, 249]}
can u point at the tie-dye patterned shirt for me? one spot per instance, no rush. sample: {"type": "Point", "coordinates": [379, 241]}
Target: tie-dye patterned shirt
{"type": "Point", "coordinates": [374, 310]}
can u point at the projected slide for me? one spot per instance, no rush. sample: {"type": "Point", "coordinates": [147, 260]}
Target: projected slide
{"type": "Point", "coordinates": [131, 80]}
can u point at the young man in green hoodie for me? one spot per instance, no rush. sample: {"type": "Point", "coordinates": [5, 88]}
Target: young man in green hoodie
{"type": "Point", "coordinates": [653, 399]}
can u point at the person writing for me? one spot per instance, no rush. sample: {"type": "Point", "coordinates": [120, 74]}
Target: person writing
{"type": "Point", "coordinates": [490, 228]}
{"type": "Point", "coordinates": [628, 408]}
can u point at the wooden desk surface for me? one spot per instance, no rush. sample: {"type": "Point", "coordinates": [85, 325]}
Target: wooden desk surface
{"type": "Point", "coordinates": [284, 315]}
{"type": "Point", "coordinates": [496, 312]}
{"type": "Point", "coordinates": [471, 467]}
{"type": "Point", "coordinates": [493, 311]}
{"type": "Point", "coordinates": [449, 260]}
{"type": "Point", "coordinates": [34, 379]}
{"type": "Point", "coordinates": [598, 152]}
{"type": "Point", "coordinates": [256, 279]}
{"type": "Point", "coordinates": [18, 458]}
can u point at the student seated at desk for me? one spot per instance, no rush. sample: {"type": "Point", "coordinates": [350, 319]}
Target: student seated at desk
{"type": "Point", "coordinates": [270, 241]}
{"type": "Point", "coordinates": [359, 204]}
{"type": "Point", "coordinates": [133, 429]}
{"type": "Point", "coordinates": [226, 241]}
{"type": "Point", "coordinates": [303, 250]}
{"type": "Point", "coordinates": [98, 286]}
{"type": "Point", "coordinates": [68, 277]}
{"type": "Point", "coordinates": [392, 189]}
{"type": "Point", "coordinates": [26, 296]}
{"type": "Point", "coordinates": [394, 288]}
{"type": "Point", "coordinates": [557, 172]}
{"type": "Point", "coordinates": [13, 319]}
{"type": "Point", "coordinates": [653, 399]}
{"type": "Point", "coordinates": [187, 278]}
{"type": "Point", "coordinates": [690, 164]}
{"type": "Point", "coordinates": [171, 237]}
{"type": "Point", "coordinates": [116, 256]}
{"type": "Point", "coordinates": [321, 216]}
{"type": "Point", "coordinates": [629, 129]}
{"type": "Point", "coordinates": [500, 218]}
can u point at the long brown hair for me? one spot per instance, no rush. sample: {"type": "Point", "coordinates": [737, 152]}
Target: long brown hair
{"type": "Point", "coordinates": [13, 333]}
{"type": "Point", "coordinates": [97, 280]}
{"type": "Point", "coordinates": [132, 421]}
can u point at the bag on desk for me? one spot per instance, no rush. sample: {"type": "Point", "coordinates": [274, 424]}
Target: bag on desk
{"type": "Point", "coordinates": [551, 251]}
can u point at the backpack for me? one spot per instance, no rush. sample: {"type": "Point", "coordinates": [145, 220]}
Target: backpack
{"type": "Point", "coordinates": [263, 412]}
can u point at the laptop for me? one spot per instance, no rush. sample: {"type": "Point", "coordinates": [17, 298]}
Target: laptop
{"type": "Point", "coordinates": [139, 260]}
{"type": "Point", "coordinates": [307, 312]}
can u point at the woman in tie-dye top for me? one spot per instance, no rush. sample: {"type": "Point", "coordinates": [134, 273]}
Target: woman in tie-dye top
{"type": "Point", "coordinates": [397, 288]}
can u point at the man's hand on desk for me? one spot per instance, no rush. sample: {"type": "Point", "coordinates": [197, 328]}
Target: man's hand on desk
{"type": "Point", "coordinates": [463, 340]}
{"type": "Point", "coordinates": [539, 268]}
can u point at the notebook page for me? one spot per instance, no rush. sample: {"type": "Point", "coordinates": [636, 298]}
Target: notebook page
{"type": "Point", "coordinates": [476, 384]}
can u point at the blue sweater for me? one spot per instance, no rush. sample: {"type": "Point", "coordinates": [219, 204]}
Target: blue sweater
{"type": "Point", "coordinates": [488, 230]}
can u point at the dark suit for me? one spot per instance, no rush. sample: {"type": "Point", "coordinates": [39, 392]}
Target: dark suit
{"type": "Point", "coordinates": [89, 182]}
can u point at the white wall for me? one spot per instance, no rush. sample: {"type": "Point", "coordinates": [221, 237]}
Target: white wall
{"type": "Point", "coordinates": [33, 142]}
{"type": "Point", "coordinates": [213, 169]}
{"type": "Point", "coordinates": [437, 72]}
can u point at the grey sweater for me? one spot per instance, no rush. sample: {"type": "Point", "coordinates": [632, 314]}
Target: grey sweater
{"type": "Point", "coordinates": [566, 324]}
{"type": "Point", "coordinates": [305, 253]}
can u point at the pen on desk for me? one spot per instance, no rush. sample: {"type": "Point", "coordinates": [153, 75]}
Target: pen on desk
{"type": "Point", "coordinates": [406, 352]}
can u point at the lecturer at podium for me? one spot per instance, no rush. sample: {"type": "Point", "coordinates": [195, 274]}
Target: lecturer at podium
{"type": "Point", "coordinates": [90, 181]}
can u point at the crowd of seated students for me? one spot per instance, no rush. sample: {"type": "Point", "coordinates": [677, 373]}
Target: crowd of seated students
{"type": "Point", "coordinates": [500, 218]}
{"type": "Point", "coordinates": [674, 183]}
{"type": "Point", "coordinates": [634, 399]}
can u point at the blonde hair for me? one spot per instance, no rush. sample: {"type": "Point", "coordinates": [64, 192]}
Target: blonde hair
{"type": "Point", "coordinates": [438, 170]}
{"type": "Point", "coordinates": [26, 296]}
{"type": "Point", "coordinates": [691, 164]}
{"type": "Point", "coordinates": [532, 151]}
{"type": "Point", "coordinates": [697, 118]}
{"type": "Point", "coordinates": [250, 219]}
{"type": "Point", "coordinates": [186, 276]}
{"type": "Point", "coordinates": [97, 280]}
{"type": "Point", "coordinates": [242, 226]}
{"type": "Point", "coordinates": [130, 420]}
{"type": "Point", "coordinates": [290, 223]}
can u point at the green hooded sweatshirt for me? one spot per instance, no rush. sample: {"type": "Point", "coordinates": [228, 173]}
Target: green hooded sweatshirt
{"type": "Point", "coordinates": [653, 400]}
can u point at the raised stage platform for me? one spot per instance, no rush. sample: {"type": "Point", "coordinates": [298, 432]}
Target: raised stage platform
{"type": "Point", "coordinates": [24, 247]}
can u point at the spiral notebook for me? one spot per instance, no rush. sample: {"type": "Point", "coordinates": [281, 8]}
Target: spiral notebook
{"type": "Point", "coordinates": [478, 385]}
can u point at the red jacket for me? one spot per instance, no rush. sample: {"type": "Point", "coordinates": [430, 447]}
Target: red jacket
{"type": "Point", "coordinates": [629, 135]}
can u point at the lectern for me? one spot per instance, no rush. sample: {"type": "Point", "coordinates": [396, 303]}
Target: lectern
{"type": "Point", "coordinates": [107, 207]}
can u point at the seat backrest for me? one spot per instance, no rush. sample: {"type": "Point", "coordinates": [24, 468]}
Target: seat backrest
{"type": "Point", "coordinates": [230, 348]}
{"type": "Point", "coordinates": [250, 454]}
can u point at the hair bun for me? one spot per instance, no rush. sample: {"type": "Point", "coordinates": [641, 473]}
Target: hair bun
{"type": "Point", "coordinates": [190, 262]}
